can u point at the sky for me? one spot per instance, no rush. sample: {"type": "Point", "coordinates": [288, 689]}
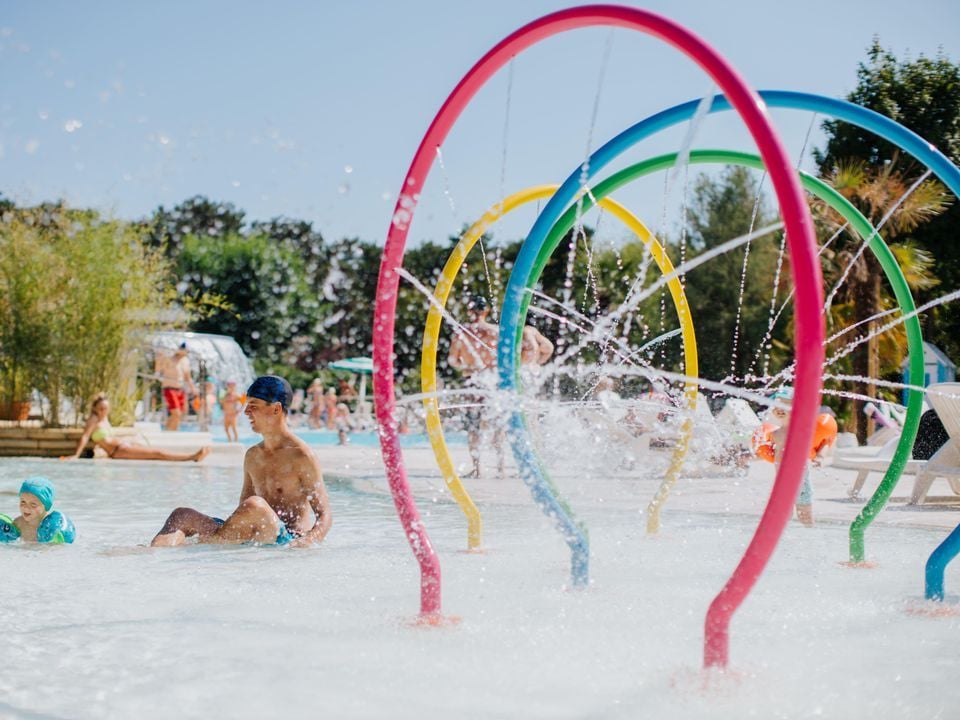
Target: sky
{"type": "Point", "coordinates": [314, 110]}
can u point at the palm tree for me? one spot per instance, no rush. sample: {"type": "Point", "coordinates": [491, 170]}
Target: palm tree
{"type": "Point", "coordinates": [884, 195]}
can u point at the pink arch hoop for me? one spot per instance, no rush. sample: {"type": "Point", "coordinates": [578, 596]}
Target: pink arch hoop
{"type": "Point", "coordinates": [808, 334]}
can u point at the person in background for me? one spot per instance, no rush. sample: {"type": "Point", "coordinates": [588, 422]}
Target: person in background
{"type": "Point", "coordinates": [99, 431]}
{"type": "Point", "coordinates": [473, 353]}
{"type": "Point", "coordinates": [209, 396]}
{"type": "Point", "coordinates": [175, 379]}
{"type": "Point", "coordinates": [315, 398]}
{"type": "Point", "coordinates": [780, 413]}
{"type": "Point", "coordinates": [231, 404]}
{"type": "Point", "coordinates": [330, 406]}
{"type": "Point", "coordinates": [535, 349]}
{"type": "Point", "coordinates": [345, 391]}
{"type": "Point", "coordinates": [296, 407]}
{"type": "Point", "coordinates": [344, 423]}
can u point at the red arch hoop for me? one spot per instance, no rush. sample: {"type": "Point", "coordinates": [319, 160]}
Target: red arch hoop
{"type": "Point", "coordinates": [805, 270]}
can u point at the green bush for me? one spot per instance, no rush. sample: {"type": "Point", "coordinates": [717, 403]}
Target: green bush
{"type": "Point", "coordinates": [76, 294]}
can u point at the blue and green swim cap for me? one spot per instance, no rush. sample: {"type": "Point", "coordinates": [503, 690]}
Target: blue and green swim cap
{"type": "Point", "coordinates": [41, 487]}
{"type": "Point", "coordinates": [271, 389]}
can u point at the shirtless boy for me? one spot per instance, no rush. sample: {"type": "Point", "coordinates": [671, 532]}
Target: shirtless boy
{"type": "Point", "coordinates": [175, 379]}
{"type": "Point", "coordinates": [283, 499]}
{"type": "Point", "coordinates": [473, 351]}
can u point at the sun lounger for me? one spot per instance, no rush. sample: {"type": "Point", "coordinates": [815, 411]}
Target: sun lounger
{"type": "Point", "coordinates": [868, 459]}
{"type": "Point", "coordinates": [945, 462]}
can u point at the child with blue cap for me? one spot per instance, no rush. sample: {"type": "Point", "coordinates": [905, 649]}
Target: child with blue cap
{"type": "Point", "coordinates": [780, 413]}
{"type": "Point", "coordinates": [38, 521]}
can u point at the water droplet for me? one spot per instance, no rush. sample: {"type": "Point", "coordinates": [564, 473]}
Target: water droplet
{"type": "Point", "coordinates": [72, 125]}
{"type": "Point", "coordinates": [348, 169]}
{"type": "Point", "coordinates": [31, 146]}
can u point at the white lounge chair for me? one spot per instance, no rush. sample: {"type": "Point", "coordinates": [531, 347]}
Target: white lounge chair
{"type": "Point", "coordinates": [871, 458]}
{"type": "Point", "coordinates": [946, 461]}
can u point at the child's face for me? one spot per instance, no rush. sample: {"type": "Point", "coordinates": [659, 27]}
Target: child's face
{"type": "Point", "coordinates": [782, 414]}
{"type": "Point", "coordinates": [31, 509]}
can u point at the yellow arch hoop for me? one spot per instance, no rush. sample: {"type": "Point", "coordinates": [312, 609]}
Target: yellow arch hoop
{"type": "Point", "coordinates": [431, 334]}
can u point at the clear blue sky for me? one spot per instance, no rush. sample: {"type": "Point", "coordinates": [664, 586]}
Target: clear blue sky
{"type": "Point", "coordinates": [313, 110]}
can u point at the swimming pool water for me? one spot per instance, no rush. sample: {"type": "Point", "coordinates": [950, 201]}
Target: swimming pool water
{"type": "Point", "coordinates": [324, 437]}
{"type": "Point", "coordinates": [109, 628]}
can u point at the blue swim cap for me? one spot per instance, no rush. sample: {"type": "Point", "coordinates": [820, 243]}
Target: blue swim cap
{"type": "Point", "coordinates": [271, 389]}
{"type": "Point", "coordinates": [41, 487]}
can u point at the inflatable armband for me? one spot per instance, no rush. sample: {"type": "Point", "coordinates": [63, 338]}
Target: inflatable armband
{"type": "Point", "coordinates": [824, 435]}
{"type": "Point", "coordinates": [762, 442]}
{"type": "Point", "coordinates": [8, 531]}
{"type": "Point", "coordinates": [56, 529]}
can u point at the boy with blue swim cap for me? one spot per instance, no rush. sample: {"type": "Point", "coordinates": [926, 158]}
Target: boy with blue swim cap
{"type": "Point", "coordinates": [38, 521]}
{"type": "Point", "coordinates": [283, 499]}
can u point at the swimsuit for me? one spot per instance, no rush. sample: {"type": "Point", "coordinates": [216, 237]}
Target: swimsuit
{"type": "Point", "coordinates": [284, 537]}
{"type": "Point", "coordinates": [101, 434]}
{"type": "Point", "coordinates": [806, 490]}
{"type": "Point", "coordinates": [176, 398]}
{"type": "Point", "coordinates": [473, 413]}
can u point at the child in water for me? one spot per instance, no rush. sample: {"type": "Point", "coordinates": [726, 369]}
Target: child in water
{"type": "Point", "coordinates": [231, 403]}
{"type": "Point", "coordinates": [780, 414]}
{"type": "Point", "coordinates": [36, 507]}
{"type": "Point", "coordinates": [344, 423]}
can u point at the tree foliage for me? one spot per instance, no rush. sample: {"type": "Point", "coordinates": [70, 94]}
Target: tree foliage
{"type": "Point", "coordinates": [923, 94]}
{"type": "Point", "coordinates": [76, 294]}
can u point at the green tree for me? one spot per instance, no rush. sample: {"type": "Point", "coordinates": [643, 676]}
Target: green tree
{"type": "Point", "coordinates": [881, 193]}
{"type": "Point", "coordinates": [720, 210]}
{"type": "Point", "coordinates": [924, 95]}
{"type": "Point", "coordinates": [76, 294]}
{"type": "Point", "coordinates": [197, 216]}
{"type": "Point", "coordinates": [263, 289]}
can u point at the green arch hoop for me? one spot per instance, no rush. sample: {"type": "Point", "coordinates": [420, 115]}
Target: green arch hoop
{"type": "Point", "coordinates": [813, 185]}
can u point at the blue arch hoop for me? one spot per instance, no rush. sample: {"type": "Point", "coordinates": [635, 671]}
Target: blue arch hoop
{"type": "Point", "coordinates": [529, 465]}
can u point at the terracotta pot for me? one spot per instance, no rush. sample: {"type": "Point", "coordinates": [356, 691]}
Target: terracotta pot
{"type": "Point", "coordinates": [18, 411]}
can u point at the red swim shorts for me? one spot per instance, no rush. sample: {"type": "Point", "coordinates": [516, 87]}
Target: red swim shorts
{"type": "Point", "coordinates": [176, 399]}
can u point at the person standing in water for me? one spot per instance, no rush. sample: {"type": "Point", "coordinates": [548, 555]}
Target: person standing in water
{"type": "Point", "coordinates": [473, 351]}
{"type": "Point", "coordinates": [176, 381]}
{"type": "Point", "coordinates": [780, 413]}
{"type": "Point", "coordinates": [283, 499]}
{"type": "Point", "coordinates": [231, 405]}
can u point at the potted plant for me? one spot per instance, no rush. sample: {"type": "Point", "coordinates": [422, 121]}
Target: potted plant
{"type": "Point", "coordinates": [14, 395]}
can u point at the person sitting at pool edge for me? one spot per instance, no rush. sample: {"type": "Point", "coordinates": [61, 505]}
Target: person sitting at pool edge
{"type": "Point", "coordinates": [99, 431]}
{"type": "Point", "coordinates": [283, 499]}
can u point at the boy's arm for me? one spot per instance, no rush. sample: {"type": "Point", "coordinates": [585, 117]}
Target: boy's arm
{"type": "Point", "coordinates": [311, 480]}
{"type": "Point", "coordinates": [545, 348]}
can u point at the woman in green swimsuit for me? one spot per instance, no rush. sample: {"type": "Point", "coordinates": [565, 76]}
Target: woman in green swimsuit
{"type": "Point", "coordinates": [99, 431]}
